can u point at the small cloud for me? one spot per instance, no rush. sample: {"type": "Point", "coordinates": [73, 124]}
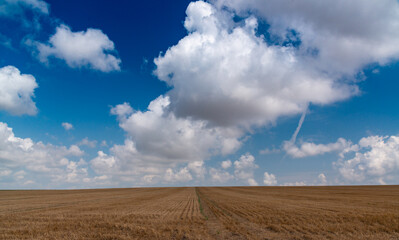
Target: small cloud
{"type": "Point", "coordinates": [252, 182]}
{"type": "Point", "coordinates": [322, 179]}
{"type": "Point", "coordinates": [86, 142]}
{"type": "Point", "coordinates": [122, 111]}
{"type": "Point", "coordinates": [376, 71]}
{"type": "Point", "coordinates": [104, 143]}
{"type": "Point", "coordinates": [269, 179]}
{"type": "Point", "coordinates": [91, 48]}
{"type": "Point", "coordinates": [226, 164]}
{"type": "Point", "coordinates": [67, 126]}
{"type": "Point", "coordinates": [220, 176]}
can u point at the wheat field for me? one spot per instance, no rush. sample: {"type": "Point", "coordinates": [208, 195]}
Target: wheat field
{"type": "Point", "coordinates": [350, 212]}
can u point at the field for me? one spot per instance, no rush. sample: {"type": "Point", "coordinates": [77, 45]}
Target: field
{"type": "Point", "coordinates": [351, 212]}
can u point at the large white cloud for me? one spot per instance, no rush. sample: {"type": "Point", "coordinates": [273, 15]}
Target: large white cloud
{"type": "Point", "coordinates": [160, 134]}
{"type": "Point", "coordinates": [90, 48]}
{"type": "Point", "coordinates": [35, 161]}
{"type": "Point", "coordinates": [16, 91]}
{"type": "Point", "coordinates": [225, 73]}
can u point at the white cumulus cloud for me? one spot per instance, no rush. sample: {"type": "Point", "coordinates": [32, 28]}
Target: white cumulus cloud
{"type": "Point", "coordinates": [307, 149]}
{"type": "Point", "coordinates": [322, 179]}
{"type": "Point", "coordinates": [67, 126]}
{"type": "Point", "coordinates": [159, 134]}
{"type": "Point", "coordinates": [17, 91]}
{"type": "Point", "coordinates": [90, 48]}
{"type": "Point", "coordinates": [226, 164]}
{"type": "Point", "coordinates": [244, 169]}
{"type": "Point", "coordinates": [225, 73]}
{"type": "Point", "coordinates": [269, 179]}
{"type": "Point", "coordinates": [220, 176]}
{"type": "Point", "coordinates": [89, 143]}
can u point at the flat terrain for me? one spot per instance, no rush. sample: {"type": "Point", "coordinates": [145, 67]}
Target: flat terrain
{"type": "Point", "coordinates": [351, 212]}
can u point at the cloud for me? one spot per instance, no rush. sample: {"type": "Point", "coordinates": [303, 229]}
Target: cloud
{"type": "Point", "coordinates": [91, 48]}
{"type": "Point", "coordinates": [23, 158]}
{"type": "Point", "coordinates": [183, 175]}
{"type": "Point", "coordinates": [158, 141]}
{"type": "Point", "coordinates": [159, 135]}
{"type": "Point", "coordinates": [220, 176]}
{"type": "Point", "coordinates": [269, 179]}
{"type": "Point", "coordinates": [322, 179]}
{"type": "Point", "coordinates": [244, 169]}
{"type": "Point", "coordinates": [226, 164]}
{"type": "Point", "coordinates": [26, 12]}
{"type": "Point", "coordinates": [375, 161]}
{"type": "Point", "coordinates": [252, 182]}
{"type": "Point", "coordinates": [307, 149]}
{"type": "Point", "coordinates": [86, 142]}
{"type": "Point", "coordinates": [14, 8]}
{"type": "Point", "coordinates": [227, 78]}
{"type": "Point", "coordinates": [17, 91]}
{"type": "Point", "coordinates": [67, 126]}
{"type": "Point", "coordinates": [225, 73]}
{"type": "Point", "coordinates": [122, 110]}
{"type": "Point", "coordinates": [198, 168]}
{"type": "Point", "coordinates": [103, 162]}
{"type": "Point", "coordinates": [301, 183]}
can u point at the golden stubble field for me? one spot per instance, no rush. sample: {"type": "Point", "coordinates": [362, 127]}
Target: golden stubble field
{"type": "Point", "coordinates": [350, 212]}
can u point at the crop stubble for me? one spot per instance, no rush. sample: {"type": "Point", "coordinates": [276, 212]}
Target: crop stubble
{"type": "Point", "coordinates": [362, 212]}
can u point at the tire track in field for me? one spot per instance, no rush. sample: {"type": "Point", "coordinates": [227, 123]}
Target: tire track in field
{"type": "Point", "coordinates": [239, 226]}
{"type": "Point", "coordinates": [215, 226]}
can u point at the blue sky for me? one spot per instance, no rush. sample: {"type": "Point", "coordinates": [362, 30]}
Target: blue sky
{"type": "Point", "coordinates": [180, 93]}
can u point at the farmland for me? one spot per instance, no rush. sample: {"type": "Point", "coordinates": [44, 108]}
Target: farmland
{"type": "Point", "coordinates": [350, 212]}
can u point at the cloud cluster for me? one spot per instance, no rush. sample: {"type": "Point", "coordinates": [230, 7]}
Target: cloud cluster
{"type": "Point", "coordinates": [159, 142]}
{"type": "Point", "coordinates": [375, 161]}
{"type": "Point", "coordinates": [90, 48]}
{"type": "Point", "coordinates": [372, 160]}
{"type": "Point", "coordinates": [26, 160]}
{"type": "Point", "coordinates": [17, 91]}
{"type": "Point", "coordinates": [244, 169]}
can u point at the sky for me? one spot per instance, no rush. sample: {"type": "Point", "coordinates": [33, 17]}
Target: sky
{"type": "Point", "coordinates": [99, 94]}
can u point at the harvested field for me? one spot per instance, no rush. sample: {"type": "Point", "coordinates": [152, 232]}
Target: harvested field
{"type": "Point", "coordinates": [364, 212]}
